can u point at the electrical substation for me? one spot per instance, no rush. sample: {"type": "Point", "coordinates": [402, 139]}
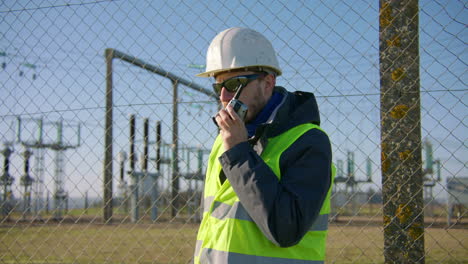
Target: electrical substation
{"type": "Point", "coordinates": [157, 184]}
{"type": "Point", "coordinates": [33, 187]}
{"type": "Point", "coordinates": [171, 162]}
{"type": "Point", "coordinates": [348, 192]}
{"type": "Point", "coordinates": [144, 190]}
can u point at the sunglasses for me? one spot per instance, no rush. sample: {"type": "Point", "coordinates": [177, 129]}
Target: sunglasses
{"type": "Point", "coordinates": [233, 84]}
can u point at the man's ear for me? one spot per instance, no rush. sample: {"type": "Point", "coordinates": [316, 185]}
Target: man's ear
{"type": "Point", "coordinates": [270, 82]}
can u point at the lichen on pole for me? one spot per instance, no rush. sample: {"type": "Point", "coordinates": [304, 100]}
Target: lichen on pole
{"type": "Point", "coordinates": [402, 177]}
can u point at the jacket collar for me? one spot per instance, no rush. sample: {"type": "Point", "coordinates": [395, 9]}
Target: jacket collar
{"type": "Point", "coordinates": [295, 109]}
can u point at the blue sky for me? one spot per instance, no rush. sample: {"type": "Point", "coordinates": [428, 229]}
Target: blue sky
{"type": "Point", "coordinates": [329, 48]}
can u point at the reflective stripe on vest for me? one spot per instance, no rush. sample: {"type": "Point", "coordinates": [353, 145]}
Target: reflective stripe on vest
{"type": "Point", "coordinates": [228, 234]}
{"type": "Point", "coordinates": [237, 211]}
{"type": "Point", "coordinates": [217, 256]}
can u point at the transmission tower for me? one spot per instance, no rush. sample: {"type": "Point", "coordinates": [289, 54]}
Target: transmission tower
{"type": "Point", "coordinates": [38, 185]}
{"type": "Point", "coordinates": [59, 146]}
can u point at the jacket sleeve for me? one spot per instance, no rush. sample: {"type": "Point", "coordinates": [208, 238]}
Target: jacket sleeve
{"type": "Point", "coordinates": [285, 209]}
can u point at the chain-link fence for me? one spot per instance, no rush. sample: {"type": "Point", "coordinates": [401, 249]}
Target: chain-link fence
{"type": "Point", "coordinates": [73, 191]}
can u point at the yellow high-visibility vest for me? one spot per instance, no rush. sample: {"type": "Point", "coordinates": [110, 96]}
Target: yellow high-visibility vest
{"type": "Point", "coordinates": [228, 234]}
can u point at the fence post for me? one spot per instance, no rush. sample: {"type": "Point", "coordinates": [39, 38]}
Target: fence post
{"type": "Point", "coordinates": [402, 177]}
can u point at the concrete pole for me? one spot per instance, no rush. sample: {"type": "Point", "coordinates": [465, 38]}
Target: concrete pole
{"type": "Point", "coordinates": [175, 155]}
{"type": "Point", "coordinates": [107, 184]}
{"type": "Point", "coordinates": [402, 176]}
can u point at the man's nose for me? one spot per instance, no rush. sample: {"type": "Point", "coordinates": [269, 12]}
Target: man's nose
{"type": "Point", "coordinates": [225, 95]}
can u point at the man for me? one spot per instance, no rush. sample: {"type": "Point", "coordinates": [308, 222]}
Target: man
{"type": "Point", "coordinates": [269, 176]}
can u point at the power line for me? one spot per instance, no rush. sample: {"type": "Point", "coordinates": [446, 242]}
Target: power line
{"type": "Point", "coordinates": [102, 108]}
{"type": "Point", "coordinates": [204, 102]}
{"type": "Point", "coordinates": [96, 55]}
{"type": "Point", "coordinates": [57, 6]}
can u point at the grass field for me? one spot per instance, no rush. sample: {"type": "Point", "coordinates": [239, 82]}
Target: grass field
{"type": "Point", "coordinates": [174, 243]}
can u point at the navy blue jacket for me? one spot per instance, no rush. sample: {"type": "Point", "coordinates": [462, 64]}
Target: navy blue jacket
{"type": "Point", "coordinates": [283, 210]}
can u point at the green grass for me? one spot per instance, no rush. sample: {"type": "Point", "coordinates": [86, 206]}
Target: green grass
{"type": "Point", "coordinates": [174, 243]}
{"type": "Point", "coordinates": [125, 243]}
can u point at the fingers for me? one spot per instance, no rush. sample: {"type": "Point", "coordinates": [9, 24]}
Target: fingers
{"type": "Point", "coordinates": [232, 113]}
{"type": "Point", "coordinates": [223, 118]}
{"type": "Point", "coordinates": [226, 118]}
{"type": "Point", "coordinates": [233, 130]}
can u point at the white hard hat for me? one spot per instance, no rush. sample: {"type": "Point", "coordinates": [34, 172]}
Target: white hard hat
{"type": "Point", "coordinates": [240, 48]}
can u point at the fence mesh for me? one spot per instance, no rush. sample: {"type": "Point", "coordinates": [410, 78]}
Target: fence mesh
{"type": "Point", "coordinates": [53, 109]}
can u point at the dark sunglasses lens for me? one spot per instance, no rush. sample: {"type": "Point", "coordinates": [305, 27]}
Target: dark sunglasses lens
{"type": "Point", "coordinates": [217, 87]}
{"type": "Point", "coordinates": [233, 84]}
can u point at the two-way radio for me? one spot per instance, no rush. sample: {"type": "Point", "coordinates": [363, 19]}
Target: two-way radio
{"type": "Point", "coordinates": [239, 107]}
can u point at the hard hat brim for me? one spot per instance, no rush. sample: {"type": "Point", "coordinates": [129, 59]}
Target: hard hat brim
{"type": "Point", "coordinates": [260, 68]}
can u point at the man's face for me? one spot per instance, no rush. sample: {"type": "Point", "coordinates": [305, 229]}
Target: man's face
{"type": "Point", "coordinates": [255, 95]}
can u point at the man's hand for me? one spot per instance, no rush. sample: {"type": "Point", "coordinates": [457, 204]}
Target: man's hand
{"type": "Point", "coordinates": [233, 129]}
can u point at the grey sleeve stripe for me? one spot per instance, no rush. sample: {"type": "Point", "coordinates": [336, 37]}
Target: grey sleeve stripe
{"type": "Point", "coordinates": [215, 256]}
{"type": "Point", "coordinates": [237, 211]}
{"type": "Point", "coordinates": [320, 224]}
{"type": "Point", "coordinates": [207, 203]}
{"type": "Point", "coordinates": [198, 245]}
